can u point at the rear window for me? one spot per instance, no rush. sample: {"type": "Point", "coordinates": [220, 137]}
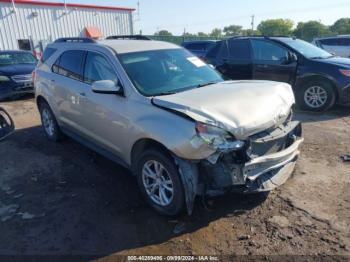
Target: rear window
{"type": "Point", "coordinates": [47, 54]}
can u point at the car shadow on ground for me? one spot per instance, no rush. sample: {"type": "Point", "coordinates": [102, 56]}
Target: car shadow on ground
{"type": "Point", "coordinates": [334, 113]}
{"type": "Point", "coordinates": [83, 204]}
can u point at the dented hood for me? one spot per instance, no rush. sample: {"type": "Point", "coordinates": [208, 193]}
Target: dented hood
{"type": "Point", "coordinates": [243, 108]}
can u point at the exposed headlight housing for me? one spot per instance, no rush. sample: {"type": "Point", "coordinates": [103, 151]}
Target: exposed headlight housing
{"type": "Point", "coordinates": [345, 72]}
{"type": "Point", "coordinates": [4, 78]}
{"type": "Point", "coordinates": [217, 138]}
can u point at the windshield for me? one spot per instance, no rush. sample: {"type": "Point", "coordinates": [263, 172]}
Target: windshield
{"type": "Point", "coordinates": [307, 49]}
{"type": "Point", "coordinates": [14, 58]}
{"type": "Point", "coordinates": [161, 72]}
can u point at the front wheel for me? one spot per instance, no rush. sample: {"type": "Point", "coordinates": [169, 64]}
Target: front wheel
{"type": "Point", "coordinates": [316, 95]}
{"type": "Point", "coordinates": [159, 181]}
{"type": "Point", "coordinates": [49, 123]}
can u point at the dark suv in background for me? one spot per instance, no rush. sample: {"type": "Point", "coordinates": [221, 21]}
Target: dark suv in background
{"type": "Point", "coordinates": [199, 47]}
{"type": "Point", "coordinates": [319, 79]}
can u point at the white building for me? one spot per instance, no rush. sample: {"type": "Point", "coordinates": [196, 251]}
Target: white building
{"type": "Point", "coordinates": [30, 25]}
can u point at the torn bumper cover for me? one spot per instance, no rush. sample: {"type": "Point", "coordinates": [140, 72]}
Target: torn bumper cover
{"type": "Point", "coordinates": [268, 172]}
{"type": "Point", "coordinates": [266, 164]}
{"type": "Point", "coordinates": [7, 126]}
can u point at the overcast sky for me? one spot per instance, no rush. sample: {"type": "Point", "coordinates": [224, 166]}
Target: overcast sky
{"type": "Point", "coordinates": [204, 15]}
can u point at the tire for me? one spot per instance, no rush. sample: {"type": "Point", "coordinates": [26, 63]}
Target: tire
{"type": "Point", "coordinates": [324, 96]}
{"type": "Point", "coordinates": [49, 123]}
{"type": "Point", "coordinates": [146, 164]}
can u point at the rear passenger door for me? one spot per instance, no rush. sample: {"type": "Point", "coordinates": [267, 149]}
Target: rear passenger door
{"type": "Point", "coordinates": [68, 88]}
{"type": "Point", "coordinates": [236, 61]}
{"type": "Point", "coordinates": [271, 61]}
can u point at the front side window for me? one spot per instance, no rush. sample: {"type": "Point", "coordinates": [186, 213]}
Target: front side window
{"type": "Point", "coordinates": [160, 72]}
{"type": "Point", "coordinates": [267, 51]}
{"type": "Point", "coordinates": [69, 64]}
{"type": "Point", "coordinates": [98, 68]}
{"type": "Point", "coordinates": [14, 58]}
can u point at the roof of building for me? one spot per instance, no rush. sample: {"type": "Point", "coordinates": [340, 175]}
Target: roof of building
{"type": "Point", "coordinates": [34, 2]}
{"type": "Point", "coordinates": [129, 46]}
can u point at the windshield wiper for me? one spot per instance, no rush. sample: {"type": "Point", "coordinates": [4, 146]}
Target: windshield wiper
{"type": "Point", "coordinates": [319, 57]}
{"type": "Point", "coordinates": [165, 93]}
{"type": "Point", "coordinates": [206, 84]}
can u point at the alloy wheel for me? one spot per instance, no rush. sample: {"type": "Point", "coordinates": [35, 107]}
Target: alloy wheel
{"type": "Point", "coordinates": [315, 96]}
{"type": "Point", "coordinates": [157, 182]}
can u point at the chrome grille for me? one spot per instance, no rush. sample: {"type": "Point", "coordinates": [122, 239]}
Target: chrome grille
{"type": "Point", "coordinates": [22, 78]}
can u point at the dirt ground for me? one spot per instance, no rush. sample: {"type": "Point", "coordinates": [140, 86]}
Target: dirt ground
{"type": "Point", "coordinates": [59, 199]}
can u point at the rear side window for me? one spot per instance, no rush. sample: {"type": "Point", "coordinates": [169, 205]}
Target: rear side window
{"type": "Point", "coordinates": [98, 68]}
{"type": "Point", "coordinates": [69, 64]}
{"type": "Point", "coordinates": [47, 54]}
{"type": "Point", "coordinates": [344, 41]}
{"type": "Point", "coordinates": [239, 49]}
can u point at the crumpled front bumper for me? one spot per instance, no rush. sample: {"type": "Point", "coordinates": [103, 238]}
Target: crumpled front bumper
{"type": "Point", "coordinates": [272, 162]}
{"type": "Point", "coordinates": [268, 172]}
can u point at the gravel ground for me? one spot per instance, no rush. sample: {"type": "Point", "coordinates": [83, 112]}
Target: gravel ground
{"type": "Point", "coordinates": [60, 199]}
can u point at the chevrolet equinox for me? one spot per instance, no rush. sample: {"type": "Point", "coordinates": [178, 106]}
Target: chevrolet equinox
{"type": "Point", "coordinates": [170, 118]}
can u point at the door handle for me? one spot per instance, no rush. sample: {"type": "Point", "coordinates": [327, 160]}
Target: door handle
{"type": "Point", "coordinates": [82, 94]}
{"type": "Point", "coordinates": [52, 81]}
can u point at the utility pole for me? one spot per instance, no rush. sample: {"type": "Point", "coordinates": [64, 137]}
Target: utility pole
{"type": "Point", "coordinates": [252, 23]}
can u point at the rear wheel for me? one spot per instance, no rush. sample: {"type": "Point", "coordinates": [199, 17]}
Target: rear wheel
{"type": "Point", "coordinates": [49, 123]}
{"type": "Point", "coordinates": [159, 182]}
{"type": "Point", "coordinates": [316, 95]}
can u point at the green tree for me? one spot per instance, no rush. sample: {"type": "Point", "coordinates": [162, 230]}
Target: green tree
{"type": "Point", "coordinates": [187, 34]}
{"type": "Point", "coordinates": [250, 32]}
{"type": "Point", "coordinates": [273, 27]}
{"type": "Point", "coordinates": [233, 30]}
{"type": "Point", "coordinates": [216, 32]}
{"type": "Point", "coordinates": [309, 30]}
{"type": "Point", "coordinates": [341, 26]}
{"type": "Point", "coordinates": [163, 33]}
{"type": "Point", "coordinates": [202, 34]}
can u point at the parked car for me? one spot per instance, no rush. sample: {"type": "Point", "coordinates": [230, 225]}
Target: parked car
{"type": "Point", "coordinates": [318, 78]}
{"type": "Point", "coordinates": [199, 47]}
{"type": "Point", "coordinates": [180, 128]}
{"type": "Point", "coordinates": [337, 45]}
{"type": "Point", "coordinates": [16, 69]}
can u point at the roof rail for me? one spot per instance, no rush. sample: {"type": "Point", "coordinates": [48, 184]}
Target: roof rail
{"type": "Point", "coordinates": [128, 37]}
{"type": "Point", "coordinates": [74, 40]}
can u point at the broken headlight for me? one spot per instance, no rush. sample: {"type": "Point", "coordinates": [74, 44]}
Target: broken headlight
{"type": "Point", "coordinates": [217, 138]}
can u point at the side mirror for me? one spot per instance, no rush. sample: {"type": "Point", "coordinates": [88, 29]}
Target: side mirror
{"type": "Point", "coordinates": [106, 87]}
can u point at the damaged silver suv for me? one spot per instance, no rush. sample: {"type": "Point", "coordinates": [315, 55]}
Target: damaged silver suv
{"type": "Point", "coordinates": [169, 117]}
